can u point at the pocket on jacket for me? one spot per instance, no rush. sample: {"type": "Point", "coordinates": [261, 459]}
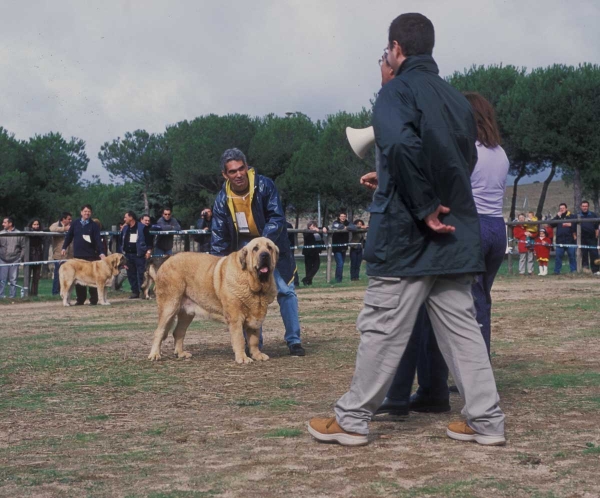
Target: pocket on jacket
{"type": "Point", "coordinates": [382, 298]}
{"type": "Point", "coordinates": [377, 238]}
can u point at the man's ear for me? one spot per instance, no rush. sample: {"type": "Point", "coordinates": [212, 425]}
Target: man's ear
{"type": "Point", "coordinates": [242, 256]}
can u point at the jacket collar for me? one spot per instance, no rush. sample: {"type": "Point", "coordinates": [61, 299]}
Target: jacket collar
{"type": "Point", "coordinates": [418, 62]}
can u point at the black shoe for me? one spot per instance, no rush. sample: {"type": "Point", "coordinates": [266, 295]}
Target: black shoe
{"type": "Point", "coordinates": [134, 296]}
{"type": "Point", "coordinates": [94, 304]}
{"type": "Point", "coordinates": [393, 407]}
{"type": "Point", "coordinates": [78, 304]}
{"type": "Point", "coordinates": [425, 404]}
{"type": "Point", "coordinates": [453, 389]}
{"type": "Point", "coordinates": [297, 350]}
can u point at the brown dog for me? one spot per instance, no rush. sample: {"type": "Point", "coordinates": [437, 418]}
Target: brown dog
{"type": "Point", "coordinates": [235, 289]}
{"type": "Point", "coordinates": [91, 273]}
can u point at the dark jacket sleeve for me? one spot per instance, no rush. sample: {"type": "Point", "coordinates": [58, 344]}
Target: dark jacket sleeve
{"type": "Point", "coordinates": [401, 144]}
{"type": "Point", "coordinates": [142, 233]}
{"type": "Point", "coordinates": [176, 225]}
{"type": "Point", "coordinates": [97, 239]}
{"type": "Point", "coordinates": [220, 243]}
{"type": "Point", "coordinates": [123, 235]}
{"type": "Point", "coordinates": [69, 236]}
{"type": "Point", "coordinates": [274, 217]}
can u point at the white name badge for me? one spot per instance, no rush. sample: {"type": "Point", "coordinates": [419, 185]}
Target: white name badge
{"type": "Point", "coordinates": [132, 238]}
{"type": "Point", "coordinates": [87, 238]}
{"type": "Point", "coordinates": [242, 223]}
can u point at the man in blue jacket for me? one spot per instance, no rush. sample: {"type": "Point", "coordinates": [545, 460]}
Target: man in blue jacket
{"type": "Point", "coordinates": [248, 206]}
{"type": "Point", "coordinates": [136, 250]}
{"type": "Point", "coordinates": [566, 239]}
{"type": "Point", "coordinates": [423, 244]}
{"type": "Point", "coordinates": [589, 238]}
{"type": "Point", "coordinates": [87, 244]}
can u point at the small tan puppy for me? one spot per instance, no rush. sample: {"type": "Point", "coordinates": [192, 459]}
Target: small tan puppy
{"type": "Point", "coordinates": [91, 273]}
{"type": "Point", "coordinates": [235, 289]}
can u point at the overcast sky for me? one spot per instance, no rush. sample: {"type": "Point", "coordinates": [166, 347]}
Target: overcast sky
{"type": "Point", "coordinates": [95, 69]}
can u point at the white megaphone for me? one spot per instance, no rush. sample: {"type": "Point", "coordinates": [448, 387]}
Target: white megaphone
{"type": "Point", "coordinates": [361, 140]}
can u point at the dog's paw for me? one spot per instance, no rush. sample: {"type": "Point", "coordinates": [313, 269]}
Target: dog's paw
{"type": "Point", "coordinates": [154, 356]}
{"type": "Point", "coordinates": [243, 360]}
{"type": "Point", "coordinates": [66, 305]}
{"type": "Point", "coordinates": [105, 304]}
{"type": "Point", "coordinates": [260, 357]}
{"type": "Point", "coordinates": [184, 355]}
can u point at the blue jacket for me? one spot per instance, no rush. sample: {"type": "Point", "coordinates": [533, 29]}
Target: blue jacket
{"type": "Point", "coordinates": [564, 235]}
{"type": "Point", "coordinates": [141, 245]}
{"type": "Point", "coordinates": [269, 218]}
{"type": "Point", "coordinates": [588, 229]}
{"type": "Point", "coordinates": [83, 249]}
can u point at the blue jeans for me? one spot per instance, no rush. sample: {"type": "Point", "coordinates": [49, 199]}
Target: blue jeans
{"type": "Point", "coordinates": [356, 254]}
{"type": "Point", "coordinates": [288, 307]}
{"type": "Point", "coordinates": [340, 257]}
{"type": "Point", "coordinates": [159, 252]}
{"type": "Point", "coordinates": [56, 280]}
{"type": "Point", "coordinates": [493, 244]}
{"type": "Point", "coordinates": [560, 252]}
{"type": "Point", "coordinates": [136, 265]}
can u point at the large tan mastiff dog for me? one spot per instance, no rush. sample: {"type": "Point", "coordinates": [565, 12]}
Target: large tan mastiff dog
{"type": "Point", "coordinates": [236, 289]}
{"type": "Point", "coordinates": [90, 273]}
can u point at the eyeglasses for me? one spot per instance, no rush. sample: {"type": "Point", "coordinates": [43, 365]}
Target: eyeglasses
{"type": "Point", "coordinates": [384, 57]}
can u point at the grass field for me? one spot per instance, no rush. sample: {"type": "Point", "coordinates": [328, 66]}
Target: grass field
{"type": "Point", "coordinates": [83, 413]}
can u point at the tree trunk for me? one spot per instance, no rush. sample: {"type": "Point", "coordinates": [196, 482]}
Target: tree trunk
{"type": "Point", "coordinates": [146, 205]}
{"type": "Point", "coordinates": [577, 190]}
{"type": "Point", "coordinates": [297, 218]}
{"type": "Point", "coordinates": [540, 207]}
{"type": "Point", "coordinates": [596, 200]}
{"type": "Point", "coordinates": [513, 203]}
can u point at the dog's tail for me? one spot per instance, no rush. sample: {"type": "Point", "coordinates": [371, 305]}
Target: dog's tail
{"type": "Point", "coordinates": [152, 266]}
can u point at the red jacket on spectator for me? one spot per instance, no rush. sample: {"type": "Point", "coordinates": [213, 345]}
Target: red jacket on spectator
{"type": "Point", "coordinates": [542, 249]}
{"type": "Point", "coordinates": [520, 233]}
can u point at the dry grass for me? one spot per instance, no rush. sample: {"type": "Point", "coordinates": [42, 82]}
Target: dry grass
{"type": "Point", "coordinates": [83, 413]}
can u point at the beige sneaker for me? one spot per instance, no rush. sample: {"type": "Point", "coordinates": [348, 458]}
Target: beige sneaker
{"type": "Point", "coordinates": [328, 430]}
{"type": "Point", "coordinates": [462, 432]}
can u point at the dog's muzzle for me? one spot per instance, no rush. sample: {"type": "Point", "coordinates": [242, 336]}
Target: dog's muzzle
{"type": "Point", "coordinates": [264, 265]}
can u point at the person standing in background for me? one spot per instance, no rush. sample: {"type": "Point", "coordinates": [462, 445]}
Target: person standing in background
{"type": "Point", "coordinates": [61, 226]}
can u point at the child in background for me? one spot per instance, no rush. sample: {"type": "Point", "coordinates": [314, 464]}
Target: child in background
{"type": "Point", "coordinates": [542, 251]}
{"type": "Point", "coordinates": [525, 255]}
{"type": "Point", "coordinates": [531, 230]}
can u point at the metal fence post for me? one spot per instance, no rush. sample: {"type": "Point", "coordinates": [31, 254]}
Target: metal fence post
{"type": "Point", "coordinates": [579, 265]}
{"type": "Point", "coordinates": [510, 248]}
{"type": "Point", "coordinates": [328, 239]}
{"type": "Point", "coordinates": [26, 268]}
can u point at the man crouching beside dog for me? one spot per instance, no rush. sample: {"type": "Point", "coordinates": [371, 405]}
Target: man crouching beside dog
{"type": "Point", "coordinates": [87, 245]}
{"type": "Point", "coordinates": [254, 265]}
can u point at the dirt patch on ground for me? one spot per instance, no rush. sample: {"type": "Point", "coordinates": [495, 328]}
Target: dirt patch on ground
{"type": "Point", "coordinates": [82, 412]}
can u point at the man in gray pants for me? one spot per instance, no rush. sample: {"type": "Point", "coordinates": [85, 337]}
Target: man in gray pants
{"type": "Point", "coordinates": [425, 135]}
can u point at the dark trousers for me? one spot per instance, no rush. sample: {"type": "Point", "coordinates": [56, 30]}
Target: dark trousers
{"type": "Point", "coordinates": [422, 355]}
{"type": "Point", "coordinates": [136, 266]}
{"type": "Point", "coordinates": [356, 254]}
{"type": "Point", "coordinates": [81, 290]}
{"type": "Point", "coordinates": [34, 279]}
{"type": "Point", "coordinates": [340, 257]}
{"type": "Point", "coordinates": [312, 262]}
{"type": "Point", "coordinates": [589, 255]}
{"type": "Point", "coordinates": [56, 280]}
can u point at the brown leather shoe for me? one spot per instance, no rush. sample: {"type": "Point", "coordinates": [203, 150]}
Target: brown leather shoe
{"type": "Point", "coordinates": [462, 432]}
{"type": "Point", "coordinates": [328, 430]}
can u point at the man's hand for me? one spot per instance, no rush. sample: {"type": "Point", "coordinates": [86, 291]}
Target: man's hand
{"type": "Point", "coordinates": [433, 222]}
{"type": "Point", "coordinates": [369, 180]}
{"type": "Point", "coordinates": [63, 252]}
{"type": "Point", "coordinates": [102, 257]}
{"type": "Point", "coordinates": [148, 254]}
{"type": "Point", "coordinates": [324, 230]}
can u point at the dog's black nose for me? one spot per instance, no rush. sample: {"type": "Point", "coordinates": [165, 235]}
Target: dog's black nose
{"type": "Point", "coordinates": [264, 259]}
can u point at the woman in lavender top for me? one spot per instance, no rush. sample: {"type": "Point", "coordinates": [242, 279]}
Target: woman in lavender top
{"type": "Point", "coordinates": [488, 182]}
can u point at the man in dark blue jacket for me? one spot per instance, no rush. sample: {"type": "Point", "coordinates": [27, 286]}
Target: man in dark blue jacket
{"type": "Point", "coordinates": [136, 251]}
{"type": "Point", "coordinates": [87, 244]}
{"type": "Point", "coordinates": [248, 206]}
{"type": "Point", "coordinates": [589, 238]}
{"type": "Point", "coordinates": [566, 237]}
{"type": "Point", "coordinates": [423, 244]}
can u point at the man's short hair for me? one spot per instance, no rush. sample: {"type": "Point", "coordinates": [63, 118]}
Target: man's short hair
{"type": "Point", "coordinates": [414, 33]}
{"type": "Point", "coordinates": [232, 155]}
{"type": "Point", "coordinates": [562, 204]}
{"type": "Point", "coordinates": [585, 202]}
{"type": "Point", "coordinates": [10, 219]}
{"type": "Point", "coordinates": [144, 216]}
{"type": "Point", "coordinates": [166, 208]}
{"type": "Point", "coordinates": [311, 224]}
{"type": "Point", "coordinates": [64, 215]}
{"type": "Point", "coordinates": [86, 206]}
{"type": "Point", "coordinates": [131, 214]}
{"type": "Point", "coordinates": [358, 220]}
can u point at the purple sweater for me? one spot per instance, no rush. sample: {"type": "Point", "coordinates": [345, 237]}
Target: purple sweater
{"type": "Point", "coordinates": [488, 180]}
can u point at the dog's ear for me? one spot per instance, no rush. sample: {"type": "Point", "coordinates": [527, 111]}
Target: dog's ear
{"type": "Point", "coordinates": [275, 255]}
{"type": "Point", "coordinates": [243, 256]}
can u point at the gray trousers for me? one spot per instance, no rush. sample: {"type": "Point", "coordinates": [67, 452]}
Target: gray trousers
{"type": "Point", "coordinates": [526, 260]}
{"type": "Point", "coordinates": [385, 325]}
{"type": "Point", "coordinates": [10, 274]}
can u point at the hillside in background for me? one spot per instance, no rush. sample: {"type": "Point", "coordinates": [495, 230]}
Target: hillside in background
{"type": "Point", "coordinates": [528, 196]}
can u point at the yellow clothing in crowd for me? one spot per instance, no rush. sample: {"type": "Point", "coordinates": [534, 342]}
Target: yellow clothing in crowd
{"type": "Point", "coordinates": [243, 204]}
